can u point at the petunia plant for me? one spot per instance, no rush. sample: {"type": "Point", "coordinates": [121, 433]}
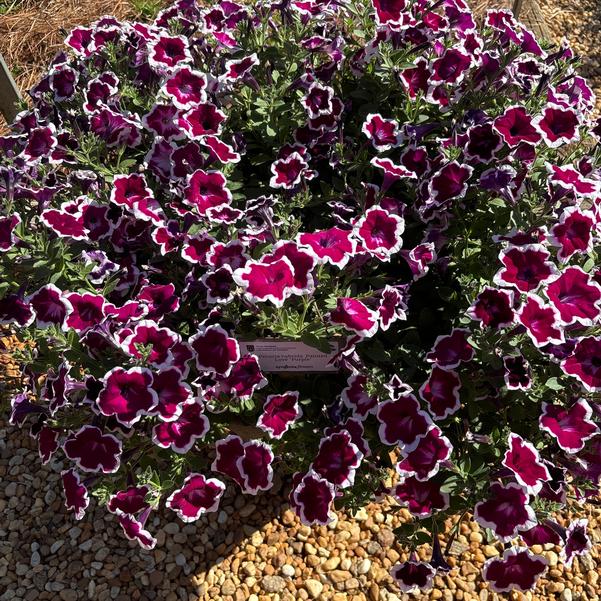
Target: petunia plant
{"type": "Point", "coordinates": [325, 239]}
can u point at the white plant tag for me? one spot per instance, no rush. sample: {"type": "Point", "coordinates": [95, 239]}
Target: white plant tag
{"type": "Point", "coordinates": [288, 355]}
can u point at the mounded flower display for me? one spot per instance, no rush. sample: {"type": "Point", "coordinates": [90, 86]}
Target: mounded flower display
{"type": "Point", "coordinates": [414, 198]}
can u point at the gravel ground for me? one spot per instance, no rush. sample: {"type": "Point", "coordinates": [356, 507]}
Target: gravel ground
{"type": "Point", "coordinates": [580, 22]}
{"type": "Point", "coordinates": [253, 549]}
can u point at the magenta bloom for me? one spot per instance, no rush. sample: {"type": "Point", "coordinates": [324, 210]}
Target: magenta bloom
{"type": "Point", "coordinates": [573, 233]}
{"type": "Point", "coordinates": [172, 393]}
{"type": "Point", "coordinates": [557, 125]}
{"type": "Point", "coordinates": [525, 463]}
{"type": "Point", "coordinates": [333, 246]}
{"type": "Point", "coordinates": [205, 190]}
{"type": "Point", "coordinates": [570, 179]}
{"type": "Point", "coordinates": [50, 305]}
{"type": "Point", "coordinates": [287, 172]}
{"type": "Point", "coordinates": [134, 530]}
{"type": "Point", "coordinates": [422, 499]}
{"type": "Point", "coordinates": [451, 350]}
{"type": "Point", "coordinates": [577, 541]}
{"type": "Point", "coordinates": [88, 310]}
{"type": "Point", "coordinates": [7, 227]}
{"type": "Point", "coordinates": [525, 267]}
{"type": "Point", "coordinates": [425, 459]}
{"type": "Point", "coordinates": [392, 307]}
{"type": "Point", "coordinates": [302, 261]}
{"type": "Point", "coordinates": [451, 67]}
{"type": "Point", "coordinates": [147, 333]}
{"type": "Point", "coordinates": [48, 442]}
{"type": "Point", "coordinates": [167, 52]}
{"type": "Point", "coordinates": [220, 150]}
{"type": "Point", "coordinates": [280, 411]}
{"type": "Point", "coordinates": [313, 497]}
{"type": "Point", "coordinates": [132, 500]}
{"type": "Point", "coordinates": [64, 224]}
{"type": "Point", "coordinates": [93, 451]}
{"type": "Point", "coordinates": [383, 133]}
{"type": "Point", "coordinates": [197, 496]}
{"type": "Point", "coordinates": [214, 350]}
{"type": "Point", "coordinates": [181, 433]}
{"type": "Point", "coordinates": [202, 120]}
{"type": "Point", "coordinates": [355, 316]}
{"type": "Point", "coordinates": [541, 534]}
{"type": "Point", "coordinates": [186, 88]}
{"type": "Point", "coordinates": [238, 68]}
{"type": "Point", "coordinates": [571, 427]}
{"type": "Point", "coordinates": [515, 126]}
{"type": "Point", "coordinates": [228, 451]}
{"type": "Point", "coordinates": [413, 576]}
{"type": "Point", "coordinates": [449, 183]}
{"type": "Point", "coordinates": [318, 100]}
{"type": "Point", "coordinates": [576, 296]}
{"type": "Point", "coordinates": [127, 394]}
{"type": "Point", "coordinates": [542, 321]}
{"type": "Point", "coordinates": [493, 308]}
{"type": "Point", "coordinates": [76, 494]}
{"type": "Point", "coordinates": [402, 422]}
{"type": "Point", "coordinates": [506, 512]}
{"type": "Point", "coordinates": [441, 392]}
{"type": "Point", "coordinates": [519, 569]}
{"type": "Point", "coordinates": [379, 232]}
{"type": "Point", "coordinates": [389, 11]}
{"type": "Point", "coordinates": [244, 379]}
{"type": "Point", "coordinates": [272, 281]}
{"type": "Point", "coordinates": [255, 467]}
{"type": "Point", "coordinates": [356, 398]}
{"type": "Point", "coordinates": [585, 363]}
{"type": "Point", "coordinates": [337, 459]}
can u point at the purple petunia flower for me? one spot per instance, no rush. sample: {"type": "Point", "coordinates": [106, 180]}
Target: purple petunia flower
{"type": "Point", "coordinates": [412, 576]}
{"type": "Point", "coordinates": [517, 570]}
{"type": "Point", "coordinates": [506, 511]}
{"type": "Point", "coordinates": [197, 496]}
{"type": "Point", "coordinates": [571, 427]}
{"type": "Point", "coordinates": [280, 411]}
{"type": "Point", "coordinates": [312, 497]}
{"type": "Point", "coordinates": [441, 392]}
{"type": "Point", "coordinates": [93, 451]}
{"type": "Point", "coordinates": [354, 315]}
{"type": "Point", "coordinates": [76, 494]}
{"type": "Point", "coordinates": [525, 462]}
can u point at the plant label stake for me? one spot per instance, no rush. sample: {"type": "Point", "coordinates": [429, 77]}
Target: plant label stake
{"type": "Point", "coordinates": [9, 93]}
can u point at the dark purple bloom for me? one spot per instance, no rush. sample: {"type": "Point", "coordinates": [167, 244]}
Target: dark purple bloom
{"type": "Point", "coordinates": [412, 576]}
{"type": "Point", "coordinates": [402, 422]}
{"type": "Point", "coordinates": [214, 350]}
{"type": "Point", "coordinates": [127, 394]}
{"type": "Point", "coordinates": [424, 460]}
{"type": "Point", "coordinates": [451, 350]}
{"type": "Point", "coordinates": [493, 308]}
{"type": "Point", "coordinates": [130, 501]}
{"type": "Point", "coordinates": [313, 497]}
{"type": "Point", "coordinates": [50, 306]}
{"type": "Point", "coordinates": [525, 267]}
{"type": "Point", "coordinates": [517, 570]}
{"type": "Point", "coordinates": [7, 227]}
{"type": "Point", "coordinates": [577, 541]}
{"type": "Point", "coordinates": [255, 467]}
{"type": "Point", "coordinates": [542, 321]}
{"type": "Point", "coordinates": [506, 511]}
{"type": "Point", "coordinates": [197, 496]}
{"type": "Point", "coordinates": [181, 434]}
{"type": "Point", "coordinates": [573, 233]}
{"type": "Point", "coordinates": [93, 451]}
{"type": "Point", "coordinates": [449, 182]}
{"type": "Point", "coordinates": [76, 494]}
{"type": "Point", "coordinates": [441, 392]}
{"type": "Point", "coordinates": [422, 499]}
{"type": "Point", "coordinates": [557, 125]}
{"type": "Point", "coordinates": [383, 133]}
{"type": "Point", "coordinates": [517, 372]}
{"type": "Point", "coordinates": [337, 459]}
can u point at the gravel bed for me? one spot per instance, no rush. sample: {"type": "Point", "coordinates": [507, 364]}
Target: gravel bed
{"type": "Point", "coordinates": [580, 22]}
{"type": "Point", "coordinates": [253, 549]}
